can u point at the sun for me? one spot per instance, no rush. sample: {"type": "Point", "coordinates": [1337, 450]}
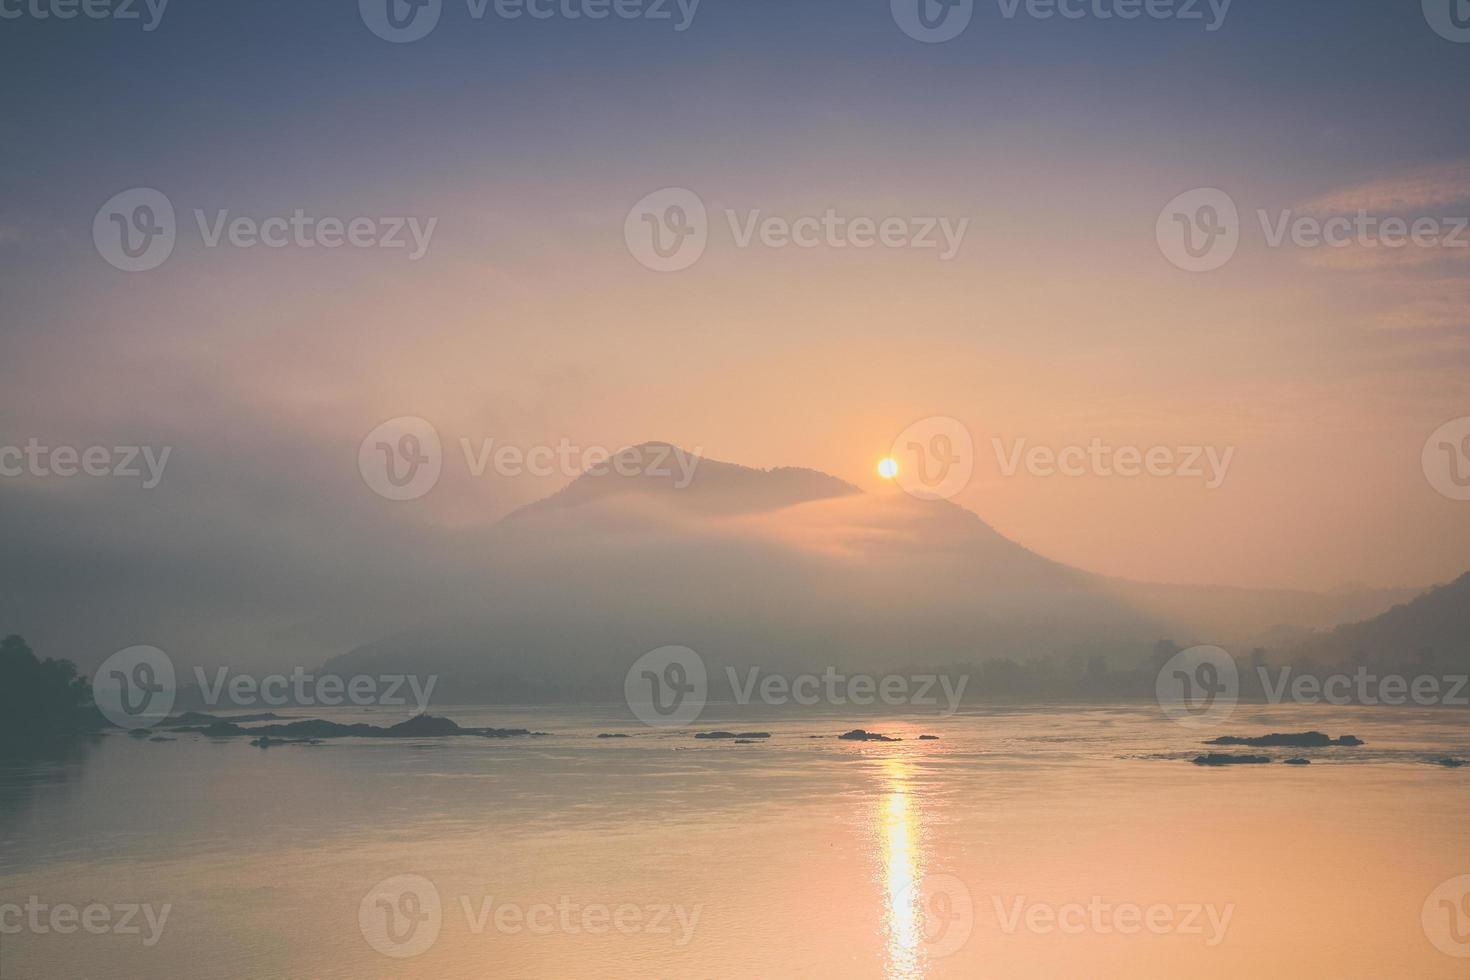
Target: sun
{"type": "Point", "coordinates": [888, 467]}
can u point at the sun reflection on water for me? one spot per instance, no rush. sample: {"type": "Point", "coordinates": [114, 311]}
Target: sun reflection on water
{"type": "Point", "coordinates": [902, 873]}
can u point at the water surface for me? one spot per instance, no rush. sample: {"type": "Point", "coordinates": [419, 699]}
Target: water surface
{"type": "Point", "coordinates": [1013, 846]}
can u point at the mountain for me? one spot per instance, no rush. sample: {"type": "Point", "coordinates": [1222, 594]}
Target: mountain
{"type": "Point", "coordinates": [683, 480]}
{"type": "Point", "coordinates": [1431, 629]}
{"type": "Point", "coordinates": [1243, 617]}
{"type": "Point", "coordinates": [787, 569]}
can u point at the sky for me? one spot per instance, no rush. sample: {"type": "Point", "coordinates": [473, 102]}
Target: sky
{"type": "Point", "coordinates": [1062, 318]}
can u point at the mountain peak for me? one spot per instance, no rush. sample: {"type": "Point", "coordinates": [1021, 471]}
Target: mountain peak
{"type": "Point", "coordinates": [688, 480]}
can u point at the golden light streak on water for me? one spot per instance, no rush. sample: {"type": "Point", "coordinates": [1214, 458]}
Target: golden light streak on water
{"type": "Point", "coordinates": [902, 873]}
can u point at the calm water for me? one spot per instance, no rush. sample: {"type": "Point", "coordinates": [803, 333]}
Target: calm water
{"type": "Point", "coordinates": [1071, 842]}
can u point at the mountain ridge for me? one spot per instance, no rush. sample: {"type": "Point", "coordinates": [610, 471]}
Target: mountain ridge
{"type": "Point", "coordinates": [786, 569]}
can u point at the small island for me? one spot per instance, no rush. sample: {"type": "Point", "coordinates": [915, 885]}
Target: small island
{"type": "Point", "coordinates": [419, 726]}
{"type": "Point", "coordinates": [858, 735]}
{"type": "Point", "coordinates": [738, 736]}
{"type": "Point", "coordinates": [1303, 740]}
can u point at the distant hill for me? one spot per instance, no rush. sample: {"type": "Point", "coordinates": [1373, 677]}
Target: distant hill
{"type": "Point", "coordinates": [1431, 629]}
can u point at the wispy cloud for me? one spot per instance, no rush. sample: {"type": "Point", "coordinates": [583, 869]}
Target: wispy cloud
{"type": "Point", "coordinates": [1416, 190]}
{"type": "Point", "coordinates": [1421, 283]}
{"type": "Point", "coordinates": [1437, 304]}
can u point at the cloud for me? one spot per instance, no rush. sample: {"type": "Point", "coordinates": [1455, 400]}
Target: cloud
{"type": "Point", "coordinates": [1436, 304]}
{"type": "Point", "coordinates": [1411, 191]}
{"type": "Point", "coordinates": [1420, 285]}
